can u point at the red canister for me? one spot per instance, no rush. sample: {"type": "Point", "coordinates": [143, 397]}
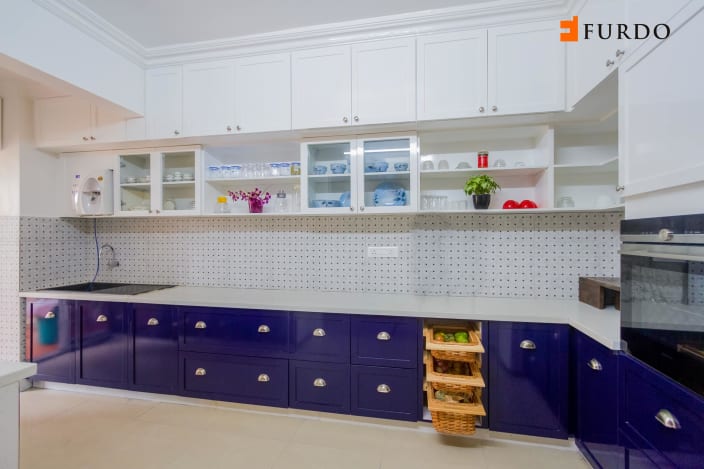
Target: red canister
{"type": "Point", "coordinates": [483, 159]}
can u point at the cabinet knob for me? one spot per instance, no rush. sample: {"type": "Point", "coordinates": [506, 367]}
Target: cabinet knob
{"type": "Point", "coordinates": [383, 389]}
{"type": "Point", "coordinates": [49, 315]}
{"type": "Point", "coordinates": [200, 372]}
{"type": "Point", "coordinates": [200, 325]}
{"type": "Point", "coordinates": [356, 118]}
{"type": "Point", "coordinates": [263, 378]}
{"type": "Point", "coordinates": [319, 383]}
{"type": "Point", "coordinates": [620, 52]}
{"type": "Point", "coordinates": [361, 208]}
{"type": "Point", "coordinates": [620, 188]}
{"type": "Point", "coordinates": [238, 127]}
{"type": "Point", "coordinates": [527, 345]}
{"type": "Point", "coordinates": [85, 139]}
{"type": "Point", "coordinates": [263, 329]}
{"type": "Point", "coordinates": [153, 322]}
{"type": "Point", "coordinates": [176, 132]}
{"type": "Point", "coordinates": [383, 335]}
{"type": "Point", "coordinates": [158, 211]}
{"type": "Point", "coordinates": [345, 120]}
{"type": "Point", "coordinates": [229, 128]}
{"type": "Point", "coordinates": [494, 108]}
{"type": "Point", "coordinates": [351, 209]}
{"type": "Point", "coordinates": [667, 420]}
{"type": "Point", "coordinates": [609, 62]}
{"type": "Point", "coordinates": [481, 108]}
{"type": "Point", "coordinates": [595, 364]}
{"type": "Point", "coordinates": [150, 211]}
{"type": "Point", "coordinates": [92, 138]}
{"type": "Point", "coordinates": [102, 318]}
{"type": "Point", "coordinates": [319, 332]}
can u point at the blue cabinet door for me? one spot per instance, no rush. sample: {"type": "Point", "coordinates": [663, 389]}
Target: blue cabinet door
{"type": "Point", "coordinates": [51, 339]}
{"type": "Point", "coordinates": [250, 380]}
{"type": "Point", "coordinates": [661, 417]}
{"type": "Point", "coordinates": [385, 341]}
{"type": "Point", "coordinates": [321, 337]}
{"type": "Point", "coordinates": [391, 393]}
{"type": "Point", "coordinates": [596, 386]}
{"type": "Point", "coordinates": [103, 344]}
{"type": "Point", "coordinates": [528, 385]}
{"type": "Point", "coordinates": [319, 386]}
{"type": "Point", "coordinates": [154, 363]}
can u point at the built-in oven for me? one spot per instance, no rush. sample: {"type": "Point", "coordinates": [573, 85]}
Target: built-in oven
{"type": "Point", "coordinates": [662, 295]}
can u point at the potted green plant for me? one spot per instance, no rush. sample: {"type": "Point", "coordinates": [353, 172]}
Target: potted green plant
{"type": "Point", "coordinates": [480, 188]}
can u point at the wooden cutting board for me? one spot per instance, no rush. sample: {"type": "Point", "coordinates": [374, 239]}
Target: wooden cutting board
{"type": "Point", "coordinates": [600, 292]}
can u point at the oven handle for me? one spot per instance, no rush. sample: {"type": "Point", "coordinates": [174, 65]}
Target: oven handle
{"type": "Point", "coordinates": [664, 255]}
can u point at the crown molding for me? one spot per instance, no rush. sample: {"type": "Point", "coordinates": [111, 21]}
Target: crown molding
{"type": "Point", "coordinates": [491, 13]}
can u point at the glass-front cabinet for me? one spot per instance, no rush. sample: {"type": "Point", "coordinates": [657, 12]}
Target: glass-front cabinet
{"type": "Point", "coordinates": [360, 176]}
{"type": "Point", "coordinates": [161, 182]}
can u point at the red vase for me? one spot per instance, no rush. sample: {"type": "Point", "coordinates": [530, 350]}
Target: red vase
{"type": "Point", "coordinates": [256, 205]}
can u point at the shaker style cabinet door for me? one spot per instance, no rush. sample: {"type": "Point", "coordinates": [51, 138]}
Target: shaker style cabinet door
{"type": "Point", "coordinates": [102, 344]}
{"type": "Point", "coordinates": [154, 357]}
{"type": "Point", "coordinates": [319, 386]}
{"type": "Point", "coordinates": [528, 378]}
{"type": "Point", "coordinates": [62, 121]}
{"type": "Point", "coordinates": [452, 75]}
{"type": "Point", "coordinates": [208, 98]}
{"type": "Point", "coordinates": [51, 339]}
{"type": "Point", "coordinates": [321, 87]}
{"type": "Point", "coordinates": [164, 110]}
{"type": "Point", "coordinates": [526, 69]}
{"type": "Point", "coordinates": [385, 341]}
{"type": "Point", "coordinates": [321, 337]}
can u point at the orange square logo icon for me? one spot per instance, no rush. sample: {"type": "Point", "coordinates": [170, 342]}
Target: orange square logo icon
{"type": "Point", "coordinates": [572, 27]}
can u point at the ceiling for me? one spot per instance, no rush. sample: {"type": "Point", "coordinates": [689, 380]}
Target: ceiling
{"type": "Point", "coordinates": [155, 23]}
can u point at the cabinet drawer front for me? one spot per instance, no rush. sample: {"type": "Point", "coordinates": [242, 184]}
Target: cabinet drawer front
{"type": "Point", "coordinates": [233, 378]}
{"type": "Point", "coordinates": [102, 344]}
{"type": "Point", "coordinates": [321, 337]}
{"type": "Point", "coordinates": [319, 386]}
{"type": "Point", "coordinates": [385, 392]}
{"type": "Point", "coordinates": [648, 394]}
{"type": "Point", "coordinates": [385, 341]}
{"type": "Point", "coordinates": [51, 342]}
{"type": "Point", "coordinates": [235, 331]}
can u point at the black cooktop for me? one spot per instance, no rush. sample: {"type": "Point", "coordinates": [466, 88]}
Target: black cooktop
{"type": "Point", "coordinates": [111, 288]}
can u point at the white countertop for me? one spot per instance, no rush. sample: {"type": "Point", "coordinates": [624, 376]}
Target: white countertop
{"type": "Point", "coordinates": [601, 325]}
{"type": "Point", "coordinates": [11, 372]}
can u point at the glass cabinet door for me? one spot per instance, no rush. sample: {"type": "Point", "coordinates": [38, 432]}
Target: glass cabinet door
{"type": "Point", "coordinates": [327, 177]}
{"type": "Point", "coordinates": [135, 193]}
{"type": "Point", "coordinates": [178, 182]}
{"type": "Point", "coordinates": [389, 168]}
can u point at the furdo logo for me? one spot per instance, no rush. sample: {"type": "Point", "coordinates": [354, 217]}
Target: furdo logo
{"type": "Point", "coordinates": [603, 31]}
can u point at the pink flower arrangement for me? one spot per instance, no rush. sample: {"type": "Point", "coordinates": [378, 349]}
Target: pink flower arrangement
{"type": "Point", "coordinates": [255, 199]}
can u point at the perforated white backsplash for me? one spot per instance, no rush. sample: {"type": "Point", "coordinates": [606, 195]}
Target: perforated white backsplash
{"type": "Point", "coordinates": [10, 317]}
{"type": "Point", "coordinates": [536, 255]}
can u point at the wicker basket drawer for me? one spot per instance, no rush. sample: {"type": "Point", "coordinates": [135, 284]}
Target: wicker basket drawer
{"type": "Point", "coordinates": [453, 382]}
{"type": "Point", "coordinates": [455, 351]}
{"type": "Point", "coordinates": [455, 418]}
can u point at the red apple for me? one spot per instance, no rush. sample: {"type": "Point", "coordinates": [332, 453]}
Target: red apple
{"type": "Point", "coordinates": [528, 204]}
{"type": "Point", "coordinates": [510, 204]}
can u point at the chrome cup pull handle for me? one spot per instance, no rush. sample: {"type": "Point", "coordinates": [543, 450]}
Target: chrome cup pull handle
{"type": "Point", "coordinates": [527, 345]}
{"type": "Point", "coordinates": [102, 318]}
{"type": "Point", "coordinates": [200, 372]}
{"type": "Point", "coordinates": [153, 322]}
{"type": "Point", "coordinates": [383, 389]}
{"type": "Point", "coordinates": [595, 364]}
{"type": "Point", "coordinates": [49, 315]}
{"type": "Point", "coordinates": [263, 329]}
{"type": "Point", "coordinates": [319, 383]}
{"type": "Point", "coordinates": [263, 378]}
{"type": "Point", "coordinates": [319, 332]}
{"type": "Point", "coordinates": [383, 335]}
{"type": "Point", "coordinates": [200, 325]}
{"type": "Point", "coordinates": [667, 420]}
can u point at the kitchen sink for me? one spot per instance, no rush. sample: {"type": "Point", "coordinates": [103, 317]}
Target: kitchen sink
{"type": "Point", "coordinates": [111, 288]}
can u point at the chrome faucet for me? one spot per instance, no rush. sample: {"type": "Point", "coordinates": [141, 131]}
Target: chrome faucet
{"type": "Point", "coordinates": [112, 262]}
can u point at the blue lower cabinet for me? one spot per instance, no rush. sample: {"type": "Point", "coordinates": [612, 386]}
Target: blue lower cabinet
{"type": "Point", "coordinates": [320, 337]}
{"type": "Point", "coordinates": [640, 456]}
{"type": "Point", "coordinates": [385, 341]}
{"type": "Point", "coordinates": [51, 339]}
{"type": "Point", "coordinates": [528, 378]}
{"type": "Point", "coordinates": [391, 393]}
{"type": "Point", "coordinates": [661, 418]}
{"type": "Point", "coordinates": [596, 396]}
{"type": "Point", "coordinates": [154, 364]}
{"type": "Point", "coordinates": [250, 380]}
{"type": "Point", "coordinates": [102, 344]}
{"type": "Point", "coordinates": [319, 386]}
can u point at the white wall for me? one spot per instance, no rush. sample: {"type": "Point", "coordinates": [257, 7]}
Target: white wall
{"type": "Point", "coordinates": [13, 104]}
{"type": "Point", "coordinates": [35, 37]}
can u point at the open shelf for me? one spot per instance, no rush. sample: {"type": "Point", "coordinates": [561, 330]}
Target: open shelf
{"type": "Point", "coordinates": [495, 172]}
{"type": "Point", "coordinates": [603, 167]}
{"type": "Point", "coordinates": [280, 179]}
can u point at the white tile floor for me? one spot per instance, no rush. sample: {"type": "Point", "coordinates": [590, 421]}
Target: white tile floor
{"type": "Point", "coordinates": [63, 429]}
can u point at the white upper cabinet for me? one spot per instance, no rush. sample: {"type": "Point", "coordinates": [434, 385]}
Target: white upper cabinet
{"type": "Point", "coordinates": [68, 121]}
{"type": "Point", "coordinates": [591, 60]}
{"type": "Point", "coordinates": [164, 88]}
{"type": "Point", "coordinates": [208, 98]}
{"type": "Point", "coordinates": [321, 87]}
{"type": "Point", "coordinates": [383, 82]}
{"type": "Point", "coordinates": [262, 93]}
{"type": "Point", "coordinates": [368, 83]}
{"type": "Point", "coordinates": [452, 75]}
{"type": "Point", "coordinates": [526, 69]}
